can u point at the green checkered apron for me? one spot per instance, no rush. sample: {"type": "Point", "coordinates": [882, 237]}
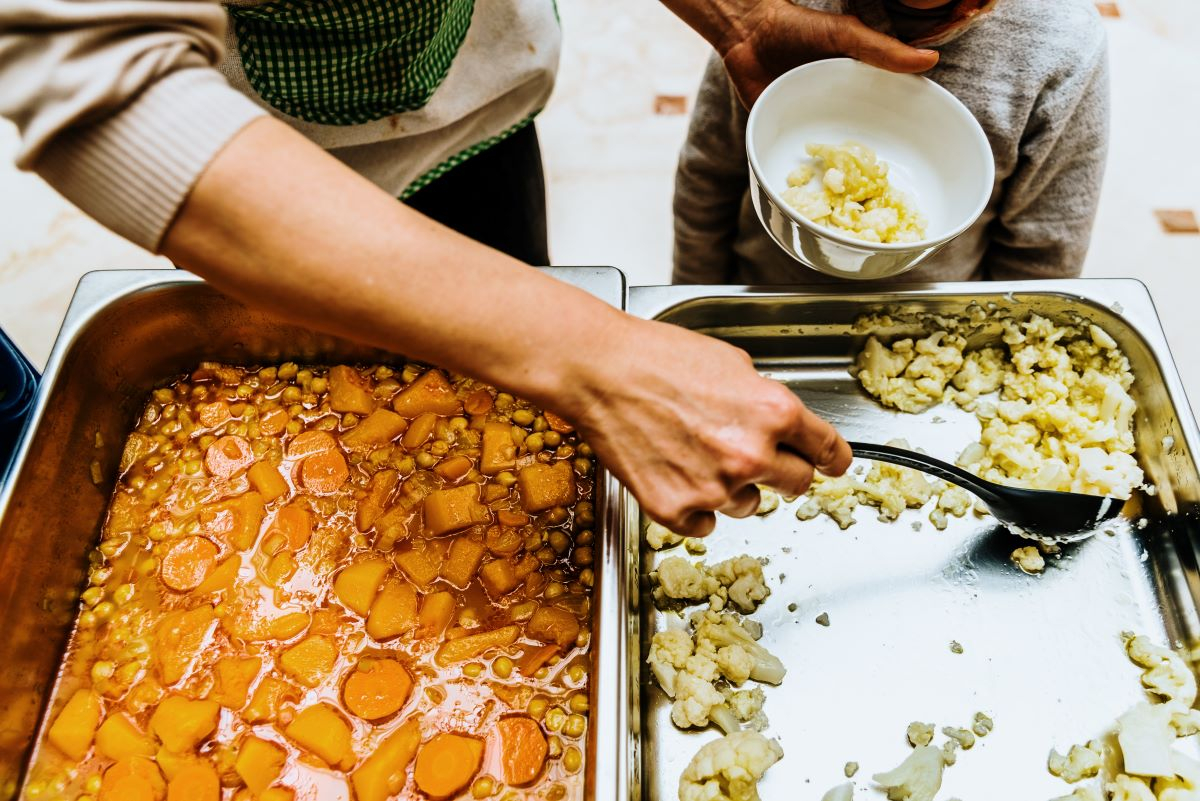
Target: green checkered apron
{"type": "Point", "coordinates": [348, 62]}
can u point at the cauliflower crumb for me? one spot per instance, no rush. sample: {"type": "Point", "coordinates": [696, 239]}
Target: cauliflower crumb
{"type": "Point", "coordinates": [1129, 788]}
{"type": "Point", "coordinates": [964, 737]}
{"type": "Point", "coordinates": [695, 546]}
{"type": "Point", "coordinates": [823, 619]}
{"type": "Point", "coordinates": [729, 769]}
{"type": "Point", "coordinates": [950, 752]}
{"type": "Point", "coordinates": [1081, 762]}
{"type": "Point", "coordinates": [920, 733]}
{"type": "Point", "coordinates": [747, 706]}
{"type": "Point", "coordinates": [1084, 793]}
{"type": "Point", "coordinates": [956, 647]}
{"type": "Point", "coordinates": [983, 725]}
{"type": "Point", "coordinates": [917, 778]}
{"type": "Point", "coordinates": [659, 536]}
{"type": "Point", "coordinates": [1029, 559]}
{"type": "Point", "coordinates": [768, 501]}
{"type": "Point", "coordinates": [843, 792]}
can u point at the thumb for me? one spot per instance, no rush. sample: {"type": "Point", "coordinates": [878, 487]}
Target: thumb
{"type": "Point", "coordinates": [853, 38]}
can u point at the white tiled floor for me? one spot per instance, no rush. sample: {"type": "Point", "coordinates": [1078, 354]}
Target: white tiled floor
{"type": "Point", "coordinates": [610, 163]}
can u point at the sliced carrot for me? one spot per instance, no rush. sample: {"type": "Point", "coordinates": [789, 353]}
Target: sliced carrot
{"type": "Point", "coordinates": [454, 468]}
{"type": "Point", "coordinates": [228, 456]}
{"type": "Point", "coordinates": [478, 402]}
{"type": "Point", "coordinates": [273, 422]}
{"type": "Point", "coordinates": [523, 748]}
{"type": "Point", "coordinates": [431, 392]}
{"type": "Point", "coordinates": [509, 518]}
{"type": "Point", "coordinates": [420, 431]}
{"type": "Point", "coordinates": [132, 779]}
{"type": "Point", "coordinates": [293, 524]}
{"type": "Point", "coordinates": [376, 688]}
{"type": "Point", "coordinates": [307, 443]}
{"type": "Point", "coordinates": [213, 414]}
{"type": "Point", "coordinates": [533, 659]}
{"type": "Point", "coordinates": [324, 473]}
{"type": "Point", "coordinates": [446, 764]}
{"type": "Point", "coordinates": [503, 540]}
{"type": "Point", "coordinates": [557, 423]}
{"type": "Point", "coordinates": [188, 563]}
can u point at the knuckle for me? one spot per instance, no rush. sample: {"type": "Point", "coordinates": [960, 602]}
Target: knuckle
{"type": "Point", "coordinates": [826, 452]}
{"type": "Point", "coordinates": [744, 464]}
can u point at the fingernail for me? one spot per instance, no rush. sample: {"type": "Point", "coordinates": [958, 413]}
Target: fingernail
{"type": "Point", "coordinates": [928, 52]}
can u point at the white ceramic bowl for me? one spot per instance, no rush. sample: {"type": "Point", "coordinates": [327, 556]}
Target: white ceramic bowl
{"type": "Point", "coordinates": [934, 147]}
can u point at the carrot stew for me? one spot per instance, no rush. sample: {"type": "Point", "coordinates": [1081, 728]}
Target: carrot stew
{"type": "Point", "coordinates": [343, 583]}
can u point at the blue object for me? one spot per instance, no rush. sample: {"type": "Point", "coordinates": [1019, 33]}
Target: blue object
{"type": "Point", "coordinates": [18, 385]}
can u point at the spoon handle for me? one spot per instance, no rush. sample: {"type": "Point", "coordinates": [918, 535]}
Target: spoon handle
{"type": "Point", "coordinates": [927, 464]}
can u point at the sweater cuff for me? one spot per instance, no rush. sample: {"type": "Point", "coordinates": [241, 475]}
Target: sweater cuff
{"type": "Point", "coordinates": [133, 170]}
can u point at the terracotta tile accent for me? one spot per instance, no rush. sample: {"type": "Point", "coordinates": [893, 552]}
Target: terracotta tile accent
{"type": "Point", "coordinates": [1110, 10]}
{"type": "Point", "coordinates": [670, 104]}
{"type": "Point", "coordinates": [1178, 221]}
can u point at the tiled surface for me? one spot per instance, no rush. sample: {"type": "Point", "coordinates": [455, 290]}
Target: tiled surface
{"type": "Point", "coordinates": [610, 161]}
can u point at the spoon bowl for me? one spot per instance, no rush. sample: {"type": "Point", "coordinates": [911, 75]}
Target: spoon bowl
{"type": "Point", "coordinates": [1042, 515]}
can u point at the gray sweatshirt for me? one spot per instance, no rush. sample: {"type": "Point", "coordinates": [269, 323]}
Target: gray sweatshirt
{"type": "Point", "coordinates": [1035, 75]}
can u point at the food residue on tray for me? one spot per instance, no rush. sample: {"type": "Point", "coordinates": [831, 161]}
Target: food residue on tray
{"type": "Point", "coordinates": [853, 195]}
{"type": "Point", "coordinates": [317, 582]}
{"type": "Point", "coordinates": [1137, 760]}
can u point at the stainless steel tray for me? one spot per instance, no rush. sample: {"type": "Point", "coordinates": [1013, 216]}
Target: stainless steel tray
{"type": "Point", "coordinates": [125, 333]}
{"type": "Point", "coordinates": [1042, 655]}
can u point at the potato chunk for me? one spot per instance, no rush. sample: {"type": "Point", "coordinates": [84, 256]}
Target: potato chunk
{"type": "Point", "coordinates": [450, 510]}
{"type": "Point", "coordinates": [347, 391]}
{"type": "Point", "coordinates": [322, 731]}
{"type": "Point", "coordinates": [431, 392]}
{"type": "Point", "coordinates": [310, 660]}
{"type": "Point", "coordinates": [233, 679]}
{"type": "Point", "coordinates": [270, 695]}
{"type": "Point", "coordinates": [385, 772]}
{"type": "Point", "coordinates": [377, 429]}
{"type": "Point", "coordinates": [499, 451]}
{"type": "Point", "coordinates": [196, 781]}
{"type": "Point", "coordinates": [259, 763]}
{"type": "Point", "coordinates": [234, 521]}
{"type": "Point", "coordinates": [75, 726]}
{"type": "Point", "coordinates": [394, 611]}
{"type": "Point", "coordinates": [182, 641]}
{"type": "Point", "coordinates": [371, 507]}
{"type": "Point", "coordinates": [182, 723]}
{"type": "Point", "coordinates": [499, 578]}
{"type": "Point", "coordinates": [265, 478]}
{"type": "Point", "coordinates": [462, 562]}
{"type": "Point", "coordinates": [551, 625]}
{"type": "Point", "coordinates": [357, 584]}
{"type": "Point", "coordinates": [119, 738]}
{"type": "Point", "coordinates": [544, 486]}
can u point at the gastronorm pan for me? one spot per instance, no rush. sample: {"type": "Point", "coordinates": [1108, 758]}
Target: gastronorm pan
{"type": "Point", "coordinates": [1042, 655]}
{"type": "Point", "coordinates": [125, 333]}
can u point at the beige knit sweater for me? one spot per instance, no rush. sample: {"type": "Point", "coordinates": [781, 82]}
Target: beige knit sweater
{"type": "Point", "coordinates": [122, 103]}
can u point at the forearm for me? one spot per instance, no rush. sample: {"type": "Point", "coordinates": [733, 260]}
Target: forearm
{"type": "Point", "coordinates": [274, 217]}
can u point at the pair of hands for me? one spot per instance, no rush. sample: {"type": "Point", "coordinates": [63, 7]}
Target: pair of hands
{"type": "Point", "coordinates": [685, 421]}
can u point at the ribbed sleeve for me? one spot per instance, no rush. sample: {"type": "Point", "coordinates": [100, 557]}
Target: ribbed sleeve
{"type": "Point", "coordinates": [132, 171]}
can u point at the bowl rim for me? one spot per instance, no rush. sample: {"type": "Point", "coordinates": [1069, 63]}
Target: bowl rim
{"type": "Point", "coordinates": [833, 234]}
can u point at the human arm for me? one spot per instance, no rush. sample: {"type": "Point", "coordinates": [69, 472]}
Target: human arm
{"type": "Point", "coordinates": [1048, 205]}
{"type": "Point", "coordinates": [758, 40]}
{"type": "Point", "coordinates": [710, 183]}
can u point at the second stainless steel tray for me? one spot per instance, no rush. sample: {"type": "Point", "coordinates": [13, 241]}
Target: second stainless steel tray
{"type": "Point", "coordinates": [1041, 654]}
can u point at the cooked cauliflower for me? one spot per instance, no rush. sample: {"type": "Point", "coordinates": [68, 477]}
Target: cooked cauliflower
{"type": "Point", "coordinates": [1145, 735]}
{"type": "Point", "coordinates": [1084, 793]}
{"type": "Point", "coordinates": [669, 652]}
{"type": "Point", "coordinates": [1166, 674]}
{"type": "Point", "coordinates": [917, 778]}
{"type": "Point", "coordinates": [768, 501]}
{"type": "Point", "coordinates": [729, 769]}
{"type": "Point", "coordinates": [853, 195]}
{"type": "Point", "coordinates": [681, 580]}
{"type": "Point", "coordinates": [698, 702]}
{"type": "Point", "coordinates": [1029, 559]}
{"type": "Point", "coordinates": [735, 663]}
{"type": "Point", "coordinates": [964, 737]}
{"type": "Point", "coordinates": [742, 578]}
{"type": "Point", "coordinates": [747, 706]}
{"type": "Point", "coordinates": [920, 733]}
{"type": "Point", "coordinates": [910, 375]}
{"type": "Point", "coordinates": [952, 501]}
{"type": "Point", "coordinates": [1129, 788]}
{"type": "Point", "coordinates": [1079, 763]}
{"type": "Point", "coordinates": [716, 630]}
{"type": "Point", "coordinates": [983, 725]}
{"type": "Point", "coordinates": [1184, 785]}
{"type": "Point", "coordinates": [659, 536]}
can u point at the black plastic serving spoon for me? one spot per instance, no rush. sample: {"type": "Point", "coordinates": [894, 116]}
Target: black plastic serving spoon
{"type": "Point", "coordinates": [1036, 514]}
